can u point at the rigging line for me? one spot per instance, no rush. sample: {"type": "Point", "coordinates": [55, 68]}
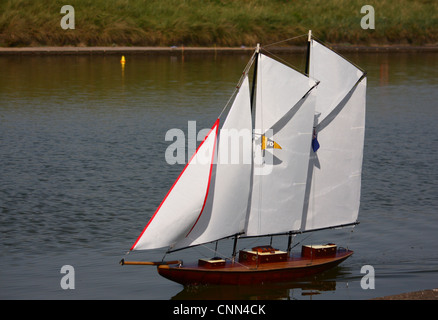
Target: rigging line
{"type": "Point", "coordinates": [350, 236]}
{"type": "Point", "coordinates": [282, 60]}
{"type": "Point", "coordinates": [339, 106]}
{"type": "Point", "coordinates": [170, 250]}
{"type": "Point", "coordinates": [331, 48]}
{"type": "Point", "coordinates": [271, 44]}
{"type": "Point", "coordinates": [311, 234]}
{"type": "Point", "coordinates": [126, 254]}
{"type": "Point", "coordinates": [217, 253]}
{"type": "Point", "coordinates": [239, 83]}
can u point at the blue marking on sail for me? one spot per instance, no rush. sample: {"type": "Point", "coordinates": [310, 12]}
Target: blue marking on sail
{"type": "Point", "coordinates": [315, 143]}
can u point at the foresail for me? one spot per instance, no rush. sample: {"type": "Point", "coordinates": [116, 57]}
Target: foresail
{"type": "Point", "coordinates": [334, 175]}
{"type": "Point", "coordinates": [226, 206]}
{"type": "Point", "coordinates": [184, 203]}
{"type": "Point", "coordinates": [285, 107]}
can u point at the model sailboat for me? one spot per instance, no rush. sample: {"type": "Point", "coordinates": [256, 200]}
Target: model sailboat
{"type": "Point", "coordinates": [286, 159]}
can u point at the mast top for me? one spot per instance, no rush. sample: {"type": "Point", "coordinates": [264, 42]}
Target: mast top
{"type": "Point", "coordinates": [258, 48]}
{"type": "Point", "coordinates": [310, 36]}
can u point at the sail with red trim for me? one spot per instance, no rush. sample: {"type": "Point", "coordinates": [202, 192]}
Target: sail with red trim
{"type": "Point", "coordinates": [185, 201]}
{"type": "Point", "coordinates": [227, 202]}
{"type": "Point", "coordinates": [206, 203]}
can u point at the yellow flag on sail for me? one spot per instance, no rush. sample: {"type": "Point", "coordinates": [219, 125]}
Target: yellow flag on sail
{"type": "Point", "coordinates": [269, 144]}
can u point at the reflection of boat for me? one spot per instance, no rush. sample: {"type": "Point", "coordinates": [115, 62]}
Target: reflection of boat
{"type": "Point", "coordinates": [299, 172]}
{"type": "Point", "coordinates": [286, 290]}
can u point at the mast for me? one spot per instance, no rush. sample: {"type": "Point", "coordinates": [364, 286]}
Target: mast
{"type": "Point", "coordinates": [289, 243]}
{"type": "Point", "coordinates": [309, 38]}
{"type": "Point", "coordinates": [254, 78]}
{"type": "Point", "coordinates": [308, 52]}
{"type": "Point", "coordinates": [234, 248]}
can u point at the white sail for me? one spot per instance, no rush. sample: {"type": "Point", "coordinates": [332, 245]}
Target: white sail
{"type": "Point", "coordinates": [226, 207]}
{"type": "Point", "coordinates": [185, 201]}
{"type": "Point", "coordinates": [284, 114]}
{"type": "Point", "coordinates": [334, 176]}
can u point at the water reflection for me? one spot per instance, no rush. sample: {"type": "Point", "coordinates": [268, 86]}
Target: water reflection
{"type": "Point", "coordinates": [384, 72]}
{"type": "Point", "coordinates": [306, 288]}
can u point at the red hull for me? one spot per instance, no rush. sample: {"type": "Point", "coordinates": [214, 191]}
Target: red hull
{"type": "Point", "coordinates": [241, 273]}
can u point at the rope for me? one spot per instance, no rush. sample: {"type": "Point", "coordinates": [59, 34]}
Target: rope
{"type": "Point", "coordinates": [222, 255]}
{"type": "Point", "coordinates": [249, 64]}
{"type": "Point", "coordinates": [282, 60]}
{"type": "Point", "coordinates": [239, 83]}
{"type": "Point", "coordinates": [272, 44]}
{"type": "Point", "coordinates": [350, 236]}
{"type": "Point", "coordinates": [301, 241]}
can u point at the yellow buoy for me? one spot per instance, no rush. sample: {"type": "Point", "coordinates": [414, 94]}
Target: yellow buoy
{"type": "Point", "coordinates": [123, 60]}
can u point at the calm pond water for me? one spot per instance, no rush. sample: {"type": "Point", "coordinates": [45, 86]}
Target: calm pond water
{"type": "Point", "coordinates": [82, 169]}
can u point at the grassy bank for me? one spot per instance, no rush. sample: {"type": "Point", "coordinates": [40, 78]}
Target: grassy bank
{"type": "Point", "coordinates": [214, 22]}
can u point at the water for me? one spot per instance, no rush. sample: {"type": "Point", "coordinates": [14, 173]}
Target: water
{"type": "Point", "coordinates": [82, 169]}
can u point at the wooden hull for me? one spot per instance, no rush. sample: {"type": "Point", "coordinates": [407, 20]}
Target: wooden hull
{"type": "Point", "coordinates": [242, 273]}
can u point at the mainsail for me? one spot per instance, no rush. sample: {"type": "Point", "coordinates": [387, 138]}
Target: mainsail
{"type": "Point", "coordinates": [334, 175]}
{"type": "Point", "coordinates": [265, 178]}
{"type": "Point", "coordinates": [285, 105]}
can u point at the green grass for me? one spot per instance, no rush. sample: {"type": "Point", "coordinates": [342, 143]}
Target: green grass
{"type": "Point", "coordinates": [214, 22]}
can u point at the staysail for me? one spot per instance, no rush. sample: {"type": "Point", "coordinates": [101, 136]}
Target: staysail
{"type": "Point", "coordinates": [334, 175]}
{"type": "Point", "coordinates": [185, 201]}
{"type": "Point", "coordinates": [285, 105]}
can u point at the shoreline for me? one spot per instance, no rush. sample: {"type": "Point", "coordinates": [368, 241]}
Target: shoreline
{"type": "Point", "coordinates": [169, 50]}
